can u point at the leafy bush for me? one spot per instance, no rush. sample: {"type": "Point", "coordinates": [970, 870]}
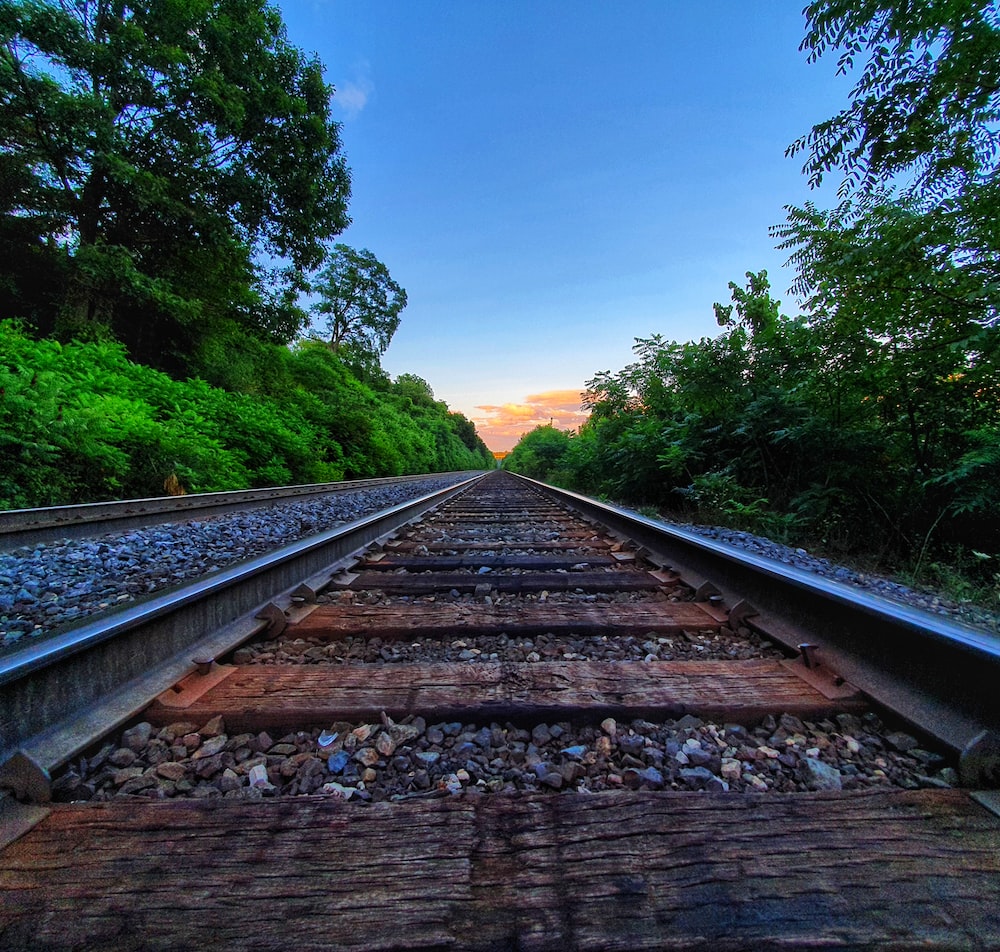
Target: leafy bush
{"type": "Point", "coordinates": [869, 437]}
{"type": "Point", "coordinates": [79, 422]}
{"type": "Point", "coordinates": [539, 453]}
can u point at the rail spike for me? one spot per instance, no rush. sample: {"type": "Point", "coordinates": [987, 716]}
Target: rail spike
{"type": "Point", "coordinates": [28, 780]}
{"type": "Point", "coordinates": [275, 618]}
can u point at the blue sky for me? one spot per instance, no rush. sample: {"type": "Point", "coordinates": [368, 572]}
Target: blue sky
{"type": "Point", "coordinates": [551, 180]}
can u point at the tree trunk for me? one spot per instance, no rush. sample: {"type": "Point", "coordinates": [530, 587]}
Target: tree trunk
{"type": "Point", "coordinates": [87, 310]}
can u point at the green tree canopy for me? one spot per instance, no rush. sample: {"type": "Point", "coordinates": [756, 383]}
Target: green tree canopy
{"type": "Point", "coordinates": [359, 302]}
{"type": "Point", "coordinates": [414, 388]}
{"type": "Point", "coordinates": [164, 148]}
{"type": "Point", "coordinates": [927, 99]}
{"type": "Point", "coordinates": [539, 453]}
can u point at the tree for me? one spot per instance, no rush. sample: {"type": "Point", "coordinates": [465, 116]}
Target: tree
{"type": "Point", "coordinates": [538, 454]}
{"type": "Point", "coordinates": [167, 146]}
{"type": "Point", "coordinates": [927, 100]}
{"type": "Point", "coordinates": [359, 302]}
{"type": "Point", "coordinates": [465, 430]}
{"type": "Point", "coordinates": [910, 322]}
{"type": "Point", "coordinates": [415, 389]}
{"type": "Point", "coordinates": [922, 124]}
{"type": "Point", "coordinates": [902, 279]}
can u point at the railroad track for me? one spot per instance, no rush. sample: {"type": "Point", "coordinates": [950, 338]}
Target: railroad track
{"type": "Point", "coordinates": [506, 727]}
{"type": "Point", "coordinates": [23, 526]}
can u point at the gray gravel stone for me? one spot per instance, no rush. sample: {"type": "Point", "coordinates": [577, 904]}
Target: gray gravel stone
{"type": "Point", "coordinates": [452, 758]}
{"type": "Point", "coordinates": [135, 738]}
{"type": "Point", "coordinates": [886, 588]}
{"type": "Point", "coordinates": [63, 581]}
{"type": "Point", "coordinates": [820, 776]}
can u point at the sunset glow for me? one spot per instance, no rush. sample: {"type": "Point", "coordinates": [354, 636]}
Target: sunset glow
{"type": "Point", "coordinates": [502, 426]}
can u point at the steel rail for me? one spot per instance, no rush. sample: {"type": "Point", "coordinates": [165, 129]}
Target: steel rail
{"type": "Point", "coordinates": [64, 691]}
{"type": "Point", "coordinates": [29, 526]}
{"type": "Point", "coordinates": [940, 676]}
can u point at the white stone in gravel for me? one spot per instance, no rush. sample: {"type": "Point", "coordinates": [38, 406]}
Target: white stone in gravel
{"type": "Point", "coordinates": [257, 776]}
{"type": "Point", "coordinates": [325, 740]}
{"type": "Point", "coordinates": [818, 775]}
{"type": "Point", "coordinates": [610, 726]}
{"type": "Point", "coordinates": [338, 790]}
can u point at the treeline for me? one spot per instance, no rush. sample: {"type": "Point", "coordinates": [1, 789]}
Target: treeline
{"type": "Point", "coordinates": [781, 426]}
{"type": "Point", "coordinates": [172, 186]}
{"type": "Point", "coordinates": [870, 422]}
{"type": "Point", "coordinates": [80, 422]}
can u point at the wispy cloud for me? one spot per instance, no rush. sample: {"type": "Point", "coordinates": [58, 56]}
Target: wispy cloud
{"type": "Point", "coordinates": [503, 425]}
{"type": "Point", "coordinates": [351, 97]}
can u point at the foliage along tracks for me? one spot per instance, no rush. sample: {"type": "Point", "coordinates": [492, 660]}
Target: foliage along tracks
{"type": "Point", "coordinates": [616, 860]}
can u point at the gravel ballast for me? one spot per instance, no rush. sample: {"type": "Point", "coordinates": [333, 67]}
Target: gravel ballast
{"type": "Point", "coordinates": [886, 588]}
{"type": "Point", "coordinates": [389, 761]}
{"type": "Point", "coordinates": [694, 645]}
{"type": "Point", "coordinates": [48, 585]}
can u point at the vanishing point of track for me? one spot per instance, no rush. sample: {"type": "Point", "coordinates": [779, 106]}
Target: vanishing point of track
{"type": "Point", "coordinates": [520, 631]}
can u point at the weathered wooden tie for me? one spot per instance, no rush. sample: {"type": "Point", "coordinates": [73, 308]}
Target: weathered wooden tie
{"type": "Point", "coordinates": [445, 619]}
{"type": "Point", "coordinates": [445, 563]}
{"type": "Point", "coordinates": [255, 697]}
{"type": "Point", "coordinates": [520, 535]}
{"type": "Point", "coordinates": [630, 871]}
{"type": "Point", "coordinates": [429, 582]}
{"type": "Point", "coordinates": [408, 545]}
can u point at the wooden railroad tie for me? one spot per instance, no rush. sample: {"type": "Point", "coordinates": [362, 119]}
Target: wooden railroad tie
{"type": "Point", "coordinates": [619, 872]}
{"type": "Point", "coordinates": [255, 697]}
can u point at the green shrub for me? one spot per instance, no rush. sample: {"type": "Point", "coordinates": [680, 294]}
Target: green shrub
{"type": "Point", "coordinates": [79, 422]}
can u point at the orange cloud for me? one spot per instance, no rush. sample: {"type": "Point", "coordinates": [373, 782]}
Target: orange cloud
{"type": "Point", "coordinates": [568, 400]}
{"type": "Point", "coordinates": [502, 426]}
